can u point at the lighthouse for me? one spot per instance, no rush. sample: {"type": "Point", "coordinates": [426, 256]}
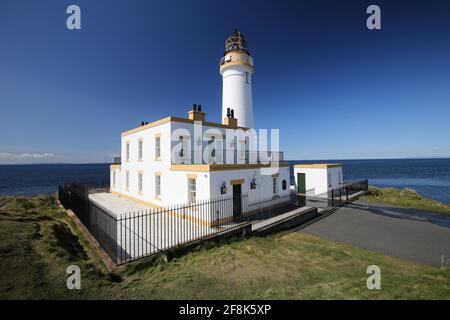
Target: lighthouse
{"type": "Point", "coordinates": [236, 68]}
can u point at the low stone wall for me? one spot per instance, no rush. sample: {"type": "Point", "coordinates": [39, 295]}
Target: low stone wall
{"type": "Point", "coordinates": [287, 223]}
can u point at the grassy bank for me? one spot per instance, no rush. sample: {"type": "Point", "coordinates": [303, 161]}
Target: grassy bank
{"type": "Point", "coordinates": [405, 198]}
{"type": "Point", "coordinates": [38, 242]}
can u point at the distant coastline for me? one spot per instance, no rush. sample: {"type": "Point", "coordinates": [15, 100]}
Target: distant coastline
{"type": "Point", "coordinates": [430, 177]}
{"type": "Point", "coordinates": [289, 160]}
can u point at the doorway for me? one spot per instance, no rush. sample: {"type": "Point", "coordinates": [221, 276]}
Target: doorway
{"type": "Point", "coordinates": [301, 189]}
{"type": "Point", "coordinates": [301, 183]}
{"type": "Point", "coordinates": [237, 202]}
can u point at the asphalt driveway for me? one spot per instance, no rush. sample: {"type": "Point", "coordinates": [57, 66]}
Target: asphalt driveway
{"type": "Point", "coordinates": [404, 233]}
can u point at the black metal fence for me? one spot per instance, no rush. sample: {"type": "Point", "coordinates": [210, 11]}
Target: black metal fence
{"type": "Point", "coordinates": [335, 197]}
{"type": "Point", "coordinates": [130, 236]}
{"type": "Point", "coordinates": [100, 223]}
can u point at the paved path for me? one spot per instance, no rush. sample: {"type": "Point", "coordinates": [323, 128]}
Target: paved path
{"type": "Point", "coordinates": [399, 232]}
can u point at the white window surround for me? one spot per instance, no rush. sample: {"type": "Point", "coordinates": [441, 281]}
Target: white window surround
{"type": "Point", "coordinates": [140, 149]}
{"type": "Point", "coordinates": [192, 190]}
{"type": "Point", "coordinates": [158, 147]}
{"type": "Point", "coordinates": [127, 151]}
{"type": "Point", "coordinates": [140, 180]}
{"type": "Point", "coordinates": [157, 186]}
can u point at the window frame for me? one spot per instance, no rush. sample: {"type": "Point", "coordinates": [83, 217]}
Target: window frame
{"type": "Point", "coordinates": [140, 182]}
{"type": "Point", "coordinates": [157, 147]}
{"type": "Point", "coordinates": [157, 185]}
{"type": "Point", "coordinates": [127, 151]}
{"type": "Point", "coordinates": [140, 149]}
{"type": "Point", "coordinates": [192, 193]}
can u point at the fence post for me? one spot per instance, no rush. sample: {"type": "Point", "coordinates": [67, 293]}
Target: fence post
{"type": "Point", "coordinates": [346, 193]}
{"type": "Point", "coordinates": [332, 197]}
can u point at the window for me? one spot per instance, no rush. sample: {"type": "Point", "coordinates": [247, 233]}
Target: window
{"type": "Point", "coordinates": [114, 178]}
{"type": "Point", "coordinates": [274, 185]}
{"type": "Point", "coordinates": [340, 178]}
{"type": "Point", "coordinates": [284, 184]}
{"type": "Point", "coordinates": [329, 180]}
{"type": "Point", "coordinates": [157, 186]}
{"type": "Point", "coordinates": [127, 181]}
{"type": "Point", "coordinates": [140, 182]}
{"type": "Point", "coordinates": [157, 147]}
{"type": "Point", "coordinates": [247, 81]}
{"type": "Point", "coordinates": [140, 149]}
{"type": "Point", "coordinates": [127, 151]}
{"type": "Point", "coordinates": [192, 190]}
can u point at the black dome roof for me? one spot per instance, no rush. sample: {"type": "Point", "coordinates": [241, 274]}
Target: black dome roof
{"type": "Point", "coordinates": [236, 42]}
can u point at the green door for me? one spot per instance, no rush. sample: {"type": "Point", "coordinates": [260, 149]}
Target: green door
{"type": "Point", "coordinates": [301, 183]}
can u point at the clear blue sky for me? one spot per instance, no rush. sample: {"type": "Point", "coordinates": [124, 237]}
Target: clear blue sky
{"type": "Point", "coordinates": [335, 89]}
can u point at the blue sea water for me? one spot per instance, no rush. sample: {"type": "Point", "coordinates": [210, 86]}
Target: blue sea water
{"type": "Point", "coordinates": [429, 177]}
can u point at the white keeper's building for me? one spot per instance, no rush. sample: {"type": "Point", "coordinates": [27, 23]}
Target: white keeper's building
{"type": "Point", "coordinates": [178, 160]}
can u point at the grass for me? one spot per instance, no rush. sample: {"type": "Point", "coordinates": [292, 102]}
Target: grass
{"type": "Point", "coordinates": [38, 241]}
{"type": "Point", "coordinates": [405, 198]}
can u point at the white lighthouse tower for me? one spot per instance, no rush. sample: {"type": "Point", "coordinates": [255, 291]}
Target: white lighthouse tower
{"type": "Point", "coordinates": [236, 68]}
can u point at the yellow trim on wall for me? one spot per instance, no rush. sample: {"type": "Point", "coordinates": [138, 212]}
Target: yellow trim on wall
{"type": "Point", "coordinates": [236, 63]}
{"type": "Point", "coordinates": [318, 165]}
{"type": "Point", "coordinates": [275, 175]}
{"type": "Point", "coordinates": [237, 181]}
{"type": "Point", "coordinates": [176, 119]}
{"type": "Point", "coordinates": [157, 135]}
{"type": "Point", "coordinates": [157, 173]}
{"type": "Point", "coordinates": [115, 166]}
{"type": "Point", "coordinates": [191, 176]}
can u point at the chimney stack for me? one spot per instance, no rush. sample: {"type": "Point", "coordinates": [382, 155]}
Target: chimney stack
{"type": "Point", "coordinates": [196, 113]}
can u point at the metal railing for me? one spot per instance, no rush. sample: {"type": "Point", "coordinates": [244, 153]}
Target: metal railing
{"type": "Point", "coordinates": [133, 235]}
{"type": "Point", "coordinates": [335, 197]}
{"type": "Point", "coordinates": [223, 156]}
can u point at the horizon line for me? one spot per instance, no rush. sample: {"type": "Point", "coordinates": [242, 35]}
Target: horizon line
{"type": "Point", "coordinates": [329, 159]}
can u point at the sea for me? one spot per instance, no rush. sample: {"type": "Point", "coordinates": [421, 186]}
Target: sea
{"type": "Point", "coordinates": [429, 177]}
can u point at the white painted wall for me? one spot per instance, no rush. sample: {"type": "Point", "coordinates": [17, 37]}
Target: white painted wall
{"type": "Point", "coordinates": [148, 165]}
{"type": "Point", "coordinates": [174, 184]}
{"type": "Point", "coordinates": [320, 180]}
{"type": "Point", "coordinates": [237, 94]}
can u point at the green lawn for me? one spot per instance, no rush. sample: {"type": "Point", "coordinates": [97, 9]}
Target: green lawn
{"type": "Point", "coordinates": [405, 198]}
{"type": "Point", "coordinates": [38, 242]}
